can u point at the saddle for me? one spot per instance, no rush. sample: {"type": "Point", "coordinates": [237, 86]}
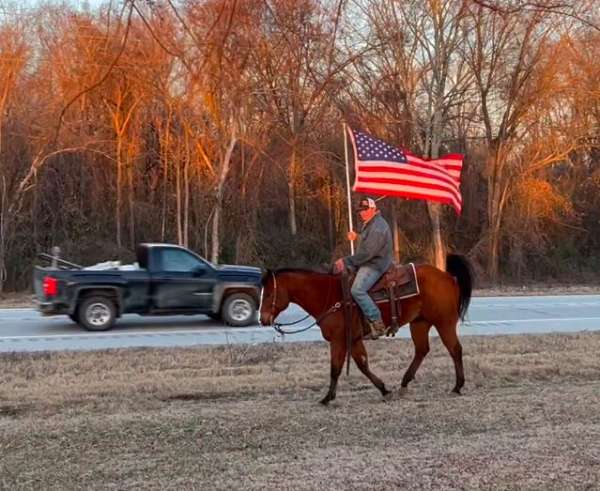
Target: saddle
{"type": "Point", "coordinates": [397, 283]}
{"type": "Point", "coordinates": [397, 275]}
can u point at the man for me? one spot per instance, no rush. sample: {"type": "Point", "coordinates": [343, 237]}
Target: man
{"type": "Point", "coordinates": [373, 258]}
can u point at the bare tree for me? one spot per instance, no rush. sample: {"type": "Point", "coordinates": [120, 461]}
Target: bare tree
{"type": "Point", "coordinates": [505, 54]}
{"type": "Point", "coordinates": [14, 53]}
{"type": "Point", "coordinates": [299, 69]}
{"type": "Point", "coordinates": [426, 39]}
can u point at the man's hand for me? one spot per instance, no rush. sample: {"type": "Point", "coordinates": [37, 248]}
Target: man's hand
{"type": "Point", "coordinates": [352, 235]}
{"type": "Point", "coordinates": [338, 266]}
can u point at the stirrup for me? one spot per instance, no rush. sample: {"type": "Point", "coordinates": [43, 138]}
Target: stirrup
{"type": "Point", "coordinates": [391, 331]}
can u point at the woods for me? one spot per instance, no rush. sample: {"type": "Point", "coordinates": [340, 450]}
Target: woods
{"type": "Point", "coordinates": [218, 125]}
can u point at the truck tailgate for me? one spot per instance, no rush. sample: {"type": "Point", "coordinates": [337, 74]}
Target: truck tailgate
{"type": "Point", "coordinates": [38, 280]}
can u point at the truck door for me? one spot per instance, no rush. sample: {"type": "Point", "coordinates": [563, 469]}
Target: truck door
{"type": "Point", "coordinates": [181, 281]}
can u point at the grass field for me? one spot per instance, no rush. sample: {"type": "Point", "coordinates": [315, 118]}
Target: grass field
{"type": "Point", "coordinates": [246, 417]}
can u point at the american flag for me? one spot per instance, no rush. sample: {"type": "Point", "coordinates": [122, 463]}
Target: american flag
{"type": "Point", "coordinates": [384, 169]}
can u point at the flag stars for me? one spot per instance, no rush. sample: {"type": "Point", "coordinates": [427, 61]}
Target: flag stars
{"type": "Point", "coordinates": [370, 148]}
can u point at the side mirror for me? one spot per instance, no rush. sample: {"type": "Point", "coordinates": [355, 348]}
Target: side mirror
{"type": "Point", "coordinates": [198, 271]}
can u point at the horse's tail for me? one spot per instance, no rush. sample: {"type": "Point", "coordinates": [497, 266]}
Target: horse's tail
{"type": "Point", "coordinates": [460, 268]}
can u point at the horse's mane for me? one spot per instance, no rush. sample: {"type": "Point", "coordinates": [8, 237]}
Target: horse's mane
{"type": "Point", "coordinates": [318, 270]}
{"type": "Point", "coordinates": [315, 270]}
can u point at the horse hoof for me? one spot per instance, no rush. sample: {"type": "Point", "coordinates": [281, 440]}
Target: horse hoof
{"type": "Point", "coordinates": [403, 391]}
{"type": "Point", "coordinates": [324, 402]}
{"type": "Point", "coordinates": [388, 397]}
{"type": "Point", "coordinates": [456, 392]}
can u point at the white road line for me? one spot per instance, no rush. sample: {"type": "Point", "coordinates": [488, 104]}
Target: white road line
{"type": "Point", "coordinates": [264, 330]}
{"type": "Point", "coordinates": [134, 334]}
{"type": "Point", "coordinates": [549, 319]}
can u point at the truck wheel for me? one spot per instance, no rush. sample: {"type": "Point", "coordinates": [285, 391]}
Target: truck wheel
{"type": "Point", "coordinates": [215, 317]}
{"type": "Point", "coordinates": [97, 313]}
{"type": "Point", "coordinates": [74, 317]}
{"type": "Point", "coordinates": [239, 309]}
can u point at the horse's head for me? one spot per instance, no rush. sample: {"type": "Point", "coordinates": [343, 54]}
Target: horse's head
{"type": "Point", "coordinates": [275, 297]}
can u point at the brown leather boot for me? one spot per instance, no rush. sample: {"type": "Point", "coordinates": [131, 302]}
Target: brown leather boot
{"type": "Point", "coordinates": [377, 328]}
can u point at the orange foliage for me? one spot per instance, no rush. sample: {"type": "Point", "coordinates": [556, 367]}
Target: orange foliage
{"type": "Point", "coordinates": [537, 207]}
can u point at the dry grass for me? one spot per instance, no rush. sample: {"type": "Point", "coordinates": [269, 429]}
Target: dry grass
{"type": "Point", "coordinates": [16, 300]}
{"type": "Point", "coordinates": [246, 418]}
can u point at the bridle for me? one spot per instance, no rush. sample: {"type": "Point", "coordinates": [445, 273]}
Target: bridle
{"type": "Point", "coordinates": [278, 325]}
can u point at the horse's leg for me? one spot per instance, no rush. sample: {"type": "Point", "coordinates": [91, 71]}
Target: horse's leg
{"type": "Point", "coordinates": [337, 348]}
{"type": "Point", "coordinates": [419, 331]}
{"type": "Point", "coordinates": [359, 355]}
{"type": "Point", "coordinates": [447, 332]}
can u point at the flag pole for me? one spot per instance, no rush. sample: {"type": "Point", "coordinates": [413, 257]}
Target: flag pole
{"type": "Point", "coordinates": [348, 185]}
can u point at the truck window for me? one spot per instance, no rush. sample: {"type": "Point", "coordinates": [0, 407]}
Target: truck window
{"type": "Point", "coordinates": [174, 260]}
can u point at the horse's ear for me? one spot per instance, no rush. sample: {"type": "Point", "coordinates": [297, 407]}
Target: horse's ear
{"type": "Point", "coordinates": [325, 268]}
{"type": "Point", "coordinates": [265, 274]}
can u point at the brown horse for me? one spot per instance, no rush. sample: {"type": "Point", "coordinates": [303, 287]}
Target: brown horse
{"type": "Point", "coordinates": [443, 298]}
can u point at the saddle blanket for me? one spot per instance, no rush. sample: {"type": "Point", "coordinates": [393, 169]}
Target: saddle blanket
{"type": "Point", "coordinates": [407, 289]}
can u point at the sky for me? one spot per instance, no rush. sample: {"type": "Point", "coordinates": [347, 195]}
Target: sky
{"type": "Point", "coordinates": [8, 7]}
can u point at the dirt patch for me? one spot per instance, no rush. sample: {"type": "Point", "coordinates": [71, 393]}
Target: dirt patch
{"type": "Point", "coordinates": [11, 411]}
{"type": "Point", "coordinates": [181, 419]}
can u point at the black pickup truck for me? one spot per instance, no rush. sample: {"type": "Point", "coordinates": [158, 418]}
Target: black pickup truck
{"type": "Point", "coordinates": [167, 280]}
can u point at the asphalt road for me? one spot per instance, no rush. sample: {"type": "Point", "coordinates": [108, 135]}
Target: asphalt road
{"type": "Point", "coordinates": [26, 330]}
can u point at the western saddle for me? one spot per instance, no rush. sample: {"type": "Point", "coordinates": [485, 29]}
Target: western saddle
{"type": "Point", "coordinates": [398, 282]}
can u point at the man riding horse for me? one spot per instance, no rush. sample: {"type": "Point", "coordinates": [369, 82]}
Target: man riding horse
{"type": "Point", "coordinates": [441, 299]}
{"type": "Point", "coordinates": [372, 259]}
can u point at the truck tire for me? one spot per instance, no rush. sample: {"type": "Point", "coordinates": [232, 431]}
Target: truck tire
{"type": "Point", "coordinates": [239, 309]}
{"type": "Point", "coordinates": [74, 317]}
{"type": "Point", "coordinates": [97, 313]}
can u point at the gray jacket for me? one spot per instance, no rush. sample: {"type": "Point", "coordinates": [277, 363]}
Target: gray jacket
{"type": "Point", "coordinates": [375, 246]}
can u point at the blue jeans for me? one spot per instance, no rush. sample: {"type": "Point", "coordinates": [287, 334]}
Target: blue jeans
{"type": "Point", "coordinates": [365, 278]}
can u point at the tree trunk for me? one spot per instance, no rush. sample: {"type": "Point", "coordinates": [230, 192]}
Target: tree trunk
{"type": "Point", "coordinates": [3, 235]}
{"type": "Point", "coordinates": [439, 253]}
{"type": "Point", "coordinates": [292, 193]}
{"type": "Point", "coordinates": [186, 191]}
{"type": "Point", "coordinates": [242, 228]}
{"type": "Point", "coordinates": [330, 211]}
{"type": "Point", "coordinates": [434, 209]}
{"type": "Point", "coordinates": [216, 225]}
{"type": "Point", "coordinates": [119, 191]}
{"type": "Point", "coordinates": [495, 205]}
{"type": "Point", "coordinates": [396, 231]}
{"type": "Point", "coordinates": [165, 159]}
{"type": "Point", "coordinates": [493, 253]}
{"type": "Point", "coordinates": [2, 264]}
{"type": "Point", "coordinates": [178, 199]}
{"type": "Point", "coordinates": [131, 199]}
{"type": "Point", "coordinates": [34, 212]}
{"type": "Point", "coordinates": [2, 201]}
